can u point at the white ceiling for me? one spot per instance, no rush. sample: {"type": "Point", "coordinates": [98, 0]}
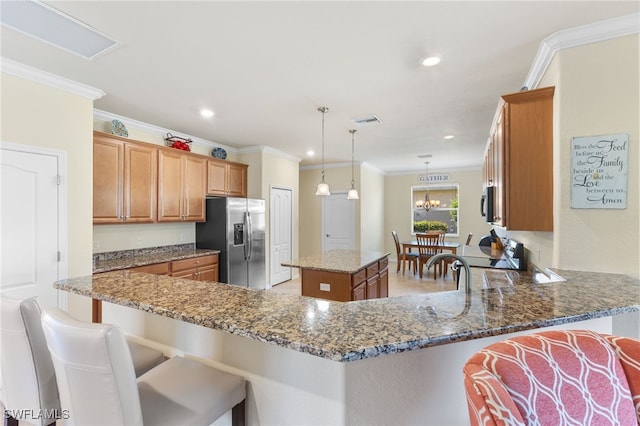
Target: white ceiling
{"type": "Point", "coordinates": [265, 67]}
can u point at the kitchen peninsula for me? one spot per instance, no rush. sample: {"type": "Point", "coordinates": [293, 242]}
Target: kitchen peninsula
{"type": "Point", "coordinates": [344, 275]}
{"type": "Point", "coordinates": [408, 348]}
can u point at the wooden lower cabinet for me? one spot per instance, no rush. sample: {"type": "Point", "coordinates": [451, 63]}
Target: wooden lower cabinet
{"type": "Point", "coordinates": [370, 282]}
{"type": "Point", "coordinates": [203, 268]}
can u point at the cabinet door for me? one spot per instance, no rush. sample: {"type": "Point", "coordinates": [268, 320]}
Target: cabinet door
{"type": "Point", "coordinates": [216, 178]}
{"type": "Point", "coordinates": [207, 273]}
{"type": "Point", "coordinates": [384, 283]}
{"type": "Point", "coordinates": [140, 166]}
{"type": "Point", "coordinates": [237, 180]}
{"type": "Point", "coordinates": [498, 170]}
{"type": "Point", "coordinates": [170, 185]}
{"type": "Point", "coordinates": [189, 274]}
{"type": "Point", "coordinates": [108, 163]}
{"type": "Point", "coordinates": [360, 292]}
{"type": "Point", "coordinates": [195, 172]}
{"type": "Point", "coordinates": [373, 287]}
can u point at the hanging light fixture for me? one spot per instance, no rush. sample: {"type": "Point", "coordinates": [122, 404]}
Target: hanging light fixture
{"type": "Point", "coordinates": [427, 203]}
{"type": "Point", "coordinates": [323, 187]}
{"type": "Point", "coordinates": [353, 192]}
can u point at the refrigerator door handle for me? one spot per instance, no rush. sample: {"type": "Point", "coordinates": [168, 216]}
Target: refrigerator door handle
{"type": "Point", "coordinates": [245, 226]}
{"type": "Point", "coordinates": [250, 236]}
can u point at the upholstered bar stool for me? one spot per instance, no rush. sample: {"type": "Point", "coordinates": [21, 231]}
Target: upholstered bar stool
{"type": "Point", "coordinates": [28, 376]}
{"type": "Point", "coordinates": [97, 383]}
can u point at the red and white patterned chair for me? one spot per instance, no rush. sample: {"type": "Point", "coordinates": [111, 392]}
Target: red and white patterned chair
{"type": "Point", "coordinates": [575, 377]}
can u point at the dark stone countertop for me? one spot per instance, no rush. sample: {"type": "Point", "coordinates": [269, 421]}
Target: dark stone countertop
{"type": "Point", "coordinates": [126, 259]}
{"type": "Point", "coordinates": [352, 331]}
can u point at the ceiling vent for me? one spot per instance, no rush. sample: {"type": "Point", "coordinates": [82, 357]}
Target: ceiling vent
{"type": "Point", "coordinates": [45, 23]}
{"type": "Point", "coordinates": [367, 120]}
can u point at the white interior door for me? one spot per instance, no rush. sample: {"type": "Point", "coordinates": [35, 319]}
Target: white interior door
{"type": "Point", "coordinates": [339, 222]}
{"type": "Point", "coordinates": [29, 226]}
{"type": "Point", "coordinates": [281, 233]}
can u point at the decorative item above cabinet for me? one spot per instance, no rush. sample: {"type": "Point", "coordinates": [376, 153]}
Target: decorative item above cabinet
{"type": "Point", "coordinates": [518, 162]}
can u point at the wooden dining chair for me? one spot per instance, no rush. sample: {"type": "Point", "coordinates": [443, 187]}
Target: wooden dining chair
{"type": "Point", "coordinates": [469, 239]}
{"type": "Point", "coordinates": [411, 258]}
{"type": "Point", "coordinates": [428, 246]}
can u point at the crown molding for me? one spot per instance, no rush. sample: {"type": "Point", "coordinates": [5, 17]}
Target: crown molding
{"type": "Point", "coordinates": [152, 128]}
{"type": "Point", "coordinates": [9, 66]}
{"type": "Point", "coordinates": [268, 150]}
{"type": "Point", "coordinates": [574, 37]}
{"type": "Point", "coordinates": [579, 36]}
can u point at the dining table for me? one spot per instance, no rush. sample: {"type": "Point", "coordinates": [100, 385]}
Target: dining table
{"type": "Point", "coordinates": [407, 246]}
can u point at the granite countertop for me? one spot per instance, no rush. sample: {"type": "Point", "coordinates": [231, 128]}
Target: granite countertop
{"type": "Point", "coordinates": [125, 259]}
{"type": "Point", "coordinates": [348, 261]}
{"type": "Point", "coordinates": [349, 331]}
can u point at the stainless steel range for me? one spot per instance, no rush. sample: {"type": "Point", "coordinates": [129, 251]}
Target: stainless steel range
{"type": "Point", "coordinates": [512, 257]}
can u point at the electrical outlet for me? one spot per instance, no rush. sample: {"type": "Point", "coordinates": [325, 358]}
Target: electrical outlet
{"type": "Point", "coordinates": [183, 237]}
{"type": "Point", "coordinates": [139, 241]}
{"type": "Point", "coordinates": [325, 287]}
{"type": "Point", "coordinates": [96, 244]}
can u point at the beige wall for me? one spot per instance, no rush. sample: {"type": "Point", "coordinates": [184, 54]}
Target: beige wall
{"type": "Point", "coordinates": [596, 93]}
{"type": "Point", "coordinates": [41, 116]}
{"type": "Point", "coordinates": [339, 180]}
{"type": "Point", "coordinates": [398, 204]}
{"type": "Point", "coordinates": [268, 169]}
{"type": "Point", "coordinates": [38, 115]}
{"type": "Point", "coordinates": [371, 213]}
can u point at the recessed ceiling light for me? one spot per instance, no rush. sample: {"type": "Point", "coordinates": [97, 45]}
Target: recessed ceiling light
{"type": "Point", "coordinates": [310, 153]}
{"type": "Point", "coordinates": [206, 113]}
{"type": "Point", "coordinates": [431, 61]}
{"type": "Point", "coordinates": [448, 137]}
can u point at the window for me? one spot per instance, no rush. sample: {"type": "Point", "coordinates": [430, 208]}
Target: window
{"type": "Point", "coordinates": [443, 213]}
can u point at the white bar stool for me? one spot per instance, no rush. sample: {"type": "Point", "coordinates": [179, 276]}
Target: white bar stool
{"type": "Point", "coordinates": [97, 383]}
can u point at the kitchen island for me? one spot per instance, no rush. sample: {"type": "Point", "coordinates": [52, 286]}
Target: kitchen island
{"type": "Point", "coordinates": [408, 351]}
{"type": "Point", "coordinates": [344, 275]}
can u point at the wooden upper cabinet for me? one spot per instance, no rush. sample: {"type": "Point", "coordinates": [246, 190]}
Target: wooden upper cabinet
{"type": "Point", "coordinates": [124, 180]}
{"type": "Point", "coordinates": [181, 186]}
{"type": "Point", "coordinates": [226, 178]}
{"type": "Point", "coordinates": [519, 162]}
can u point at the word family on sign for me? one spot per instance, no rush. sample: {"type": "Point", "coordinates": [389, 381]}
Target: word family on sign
{"type": "Point", "coordinates": [599, 172]}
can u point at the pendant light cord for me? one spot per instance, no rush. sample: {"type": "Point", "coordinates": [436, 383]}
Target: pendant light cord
{"type": "Point", "coordinates": [323, 110]}
{"type": "Point", "coordinates": [353, 182]}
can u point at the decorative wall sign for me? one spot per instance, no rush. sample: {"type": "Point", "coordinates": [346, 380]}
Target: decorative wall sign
{"type": "Point", "coordinates": [434, 178]}
{"type": "Point", "coordinates": [599, 171]}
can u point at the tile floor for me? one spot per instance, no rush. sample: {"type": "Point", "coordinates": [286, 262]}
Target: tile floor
{"type": "Point", "coordinates": [399, 285]}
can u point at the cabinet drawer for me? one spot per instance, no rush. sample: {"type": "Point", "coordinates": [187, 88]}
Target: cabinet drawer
{"type": "Point", "coordinates": [194, 262]}
{"type": "Point", "coordinates": [156, 268]}
{"type": "Point", "coordinates": [358, 277]}
{"type": "Point", "coordinates": [383, 263]}
{"type": "Point", "coordinates": [372, 270]}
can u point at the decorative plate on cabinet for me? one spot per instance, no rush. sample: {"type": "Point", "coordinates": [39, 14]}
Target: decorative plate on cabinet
{"type": "Point", "coordinates": [117, 128]}
{"type": "Point", "coordinates": [218, 152]}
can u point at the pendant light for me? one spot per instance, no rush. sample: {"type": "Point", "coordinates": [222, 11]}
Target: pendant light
{"type": "Point", "coordinates": [323, 187]}
{"type": "Point", "coordinates": [353, 192]}
{"type": "Point", "coordinates": [427, 202]}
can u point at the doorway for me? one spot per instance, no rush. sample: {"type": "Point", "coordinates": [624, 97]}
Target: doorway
{"type": "Point", "coordinates": [281, 233]}
{"type": "Point", "coordinates": [30, 220]}
{"type": "Point", "coordinates": [338, 222]}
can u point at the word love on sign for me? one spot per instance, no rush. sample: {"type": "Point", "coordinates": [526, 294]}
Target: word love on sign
{"type": "Point", "coordinates": [599, 171]}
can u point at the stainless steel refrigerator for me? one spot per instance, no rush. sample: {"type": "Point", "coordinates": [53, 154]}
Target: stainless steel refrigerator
{"type": "Point", "coordinates": [236, 227]}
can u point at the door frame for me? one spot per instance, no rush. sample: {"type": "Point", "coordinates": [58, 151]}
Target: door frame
{"type": "Point", "coordinates": [61, 158]}
{"type": "Point", "coordinates": [271, 217]}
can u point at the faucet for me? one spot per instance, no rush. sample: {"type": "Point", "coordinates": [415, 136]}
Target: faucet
{"type": "Point", "coordinates": [459, 262]}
